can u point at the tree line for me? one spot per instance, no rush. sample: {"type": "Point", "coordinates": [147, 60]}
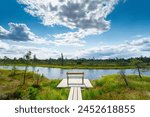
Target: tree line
{"type": "Point", "coordinates": [61, 61]}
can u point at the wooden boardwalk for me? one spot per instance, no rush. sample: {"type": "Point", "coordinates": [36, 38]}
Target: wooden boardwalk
{"type": "Point", "coordinates": [75, 87]}
{"type": "Point", "coordinates": [75, 83]}
{"type": "Point", "coordinates": [75, 93]}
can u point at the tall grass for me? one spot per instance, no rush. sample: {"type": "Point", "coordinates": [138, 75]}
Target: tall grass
{"type": "Point", "coordinates": [12, 88]}
{"type": "Point", "coordinates": [112, 87]}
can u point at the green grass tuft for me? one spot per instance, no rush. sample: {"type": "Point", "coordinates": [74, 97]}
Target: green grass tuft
{"type": "Point", "coordinates": [112, 87]}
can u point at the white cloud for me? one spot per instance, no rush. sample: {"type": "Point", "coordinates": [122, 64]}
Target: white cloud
{"type": "Point", "coordinates": [68, 42]}
{"type": "Point", "coordinates": [17, 32]}
{"type": "Point", "coordinates": [135, 48]}
{"type": "Point", "coordinates": [40, 52]}
{"type": "Point", "coordinates": [3, 31]}
{"type": "Point", "coordinates": [3, 45]}
{"type": "Point", "coordinates": [141, 41]}
{"type": "Point", "coordinates": [20, 32]}
{"type": "Point", "coordinates": [86, 16]}
{"type": "Point", "coordinates": [20, 50]}
{"type": "Point", "coordinates": [104, 51]}
{"type": "Point", "coordinates": [72, 38]}
{"type": "Point", "coordinates": [108, 51]}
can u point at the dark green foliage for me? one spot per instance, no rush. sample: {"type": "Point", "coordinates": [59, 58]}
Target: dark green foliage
{"type": "Point", "coordinates": [32, 93]}
{"type": "Point", "coordinates": [77, 63]}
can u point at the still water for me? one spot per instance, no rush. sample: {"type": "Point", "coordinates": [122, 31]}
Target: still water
{"type": "Point", "coordinates": [57, 73]}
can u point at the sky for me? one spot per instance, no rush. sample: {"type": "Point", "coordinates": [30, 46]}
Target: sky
{"type": "Point", "coordinates": [99, 29]}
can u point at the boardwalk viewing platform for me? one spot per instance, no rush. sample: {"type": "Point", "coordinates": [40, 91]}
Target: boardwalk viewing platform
{"type": "Point", "coordinates": [75, 81]}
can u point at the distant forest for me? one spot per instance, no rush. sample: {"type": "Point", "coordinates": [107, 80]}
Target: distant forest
{"type": "Point", "coordinates": [73, 62]}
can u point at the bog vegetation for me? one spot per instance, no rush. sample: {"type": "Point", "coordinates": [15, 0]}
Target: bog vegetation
{"type": "Point", "coordinates": [36, 87]}
{"type": "Point", "coordinates": [114, 87]}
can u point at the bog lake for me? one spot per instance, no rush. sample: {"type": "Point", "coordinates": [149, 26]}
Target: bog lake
{"type": "Point", "coordinates": [58, 73]}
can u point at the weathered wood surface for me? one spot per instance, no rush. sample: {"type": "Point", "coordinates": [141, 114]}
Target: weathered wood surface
{"type": "Point", "coordinates": [75, 93]}
{"type": "Point", "coordinates": [77, 75]}
{"type": "Point", "coordinates": [75, 83]}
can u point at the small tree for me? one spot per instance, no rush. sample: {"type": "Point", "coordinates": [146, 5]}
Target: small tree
{"type": "Point", "coordinates": [14, 67]}
{"type": "Point", "coordinates": [34, 58]}
{"type": "Point", "coordinates": [123, 76]}
{"type": "Point", "coordinates": [62, 59]}
{"type": "Point", "coordinates": [138, 65]}
{"type": "Point", "coordinates": [13, 73]}
{"type": "Point", "coordinates": [37, 78]}
{"type": "Point", "coordinates": [27, 58]}
{"type": "Point", "coordinates": [49, 60]}
{"type": "Point", "coordinates": [34, 64]}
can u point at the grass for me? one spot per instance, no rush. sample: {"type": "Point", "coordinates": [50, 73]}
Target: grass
{"type": "Point", "coordinates": [112, 87]}
{"type": "Point", "coordinates": [11, 87]}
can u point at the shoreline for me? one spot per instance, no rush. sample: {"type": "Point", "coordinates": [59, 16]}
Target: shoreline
{"type": "Point", "coordinates": [75, 67]}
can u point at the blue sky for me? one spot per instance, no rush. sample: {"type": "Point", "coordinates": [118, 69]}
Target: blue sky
{"type": "Point", "coordinates": [107, 29]}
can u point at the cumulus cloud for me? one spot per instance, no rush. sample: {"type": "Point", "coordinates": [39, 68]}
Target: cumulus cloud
{"type": "Point", "coordinates": [86, 16]}
{"type": "Point", "coordinates": [71, 38]}
{"type": "Point", "coordinates": [16, 32]}
{"type": "Point", "coordinates": [108, 51]}
{"type": "Point", "coordinates": [20, 32]}
{"type": "Point", "coordinates": [135, 48]}
{"type": "Point", "coordinates": [142, 41]}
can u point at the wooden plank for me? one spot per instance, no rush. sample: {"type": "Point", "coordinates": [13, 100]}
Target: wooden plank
{"type": "Point", "coordinates": [72, 73]}
{"type": "Point", "coordinates": [75, 76]}
{"type": "Point", "coordinates": [79, 93]}
{"type": "Point", "coordinates": [75, 93]}
{"type": "Point", "coordinates": [70, 97]}
{"type": "Point", "coordinates": [88, 84]}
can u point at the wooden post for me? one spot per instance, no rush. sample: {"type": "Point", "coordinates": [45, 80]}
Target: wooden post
{"type": "Point", "coordinates": [67, 79]}
{"type": "Point", "coordinates": [83, 78]}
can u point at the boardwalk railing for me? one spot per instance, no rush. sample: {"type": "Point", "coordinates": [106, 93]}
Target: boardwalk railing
{"type": "Point", "coordinates": [78, 75]}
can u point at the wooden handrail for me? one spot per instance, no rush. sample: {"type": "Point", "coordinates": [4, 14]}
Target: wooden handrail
{"type": "Point", "coordinates": [75, 73]}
